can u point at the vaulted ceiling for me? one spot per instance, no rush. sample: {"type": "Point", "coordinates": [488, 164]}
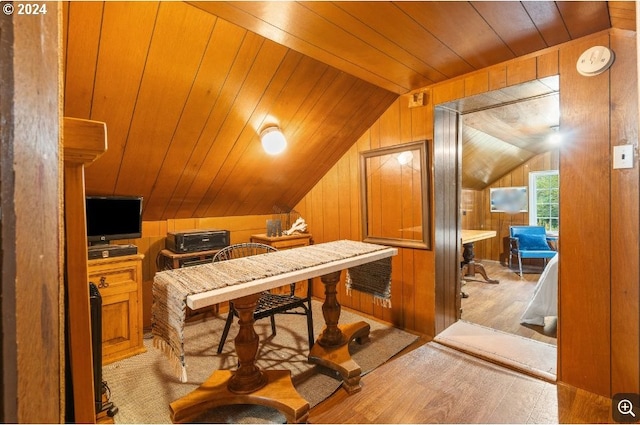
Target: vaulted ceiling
{"type": "Point", "coordinates": [186, 87]}
{"type": "Point", "coordinates": [504, 128]}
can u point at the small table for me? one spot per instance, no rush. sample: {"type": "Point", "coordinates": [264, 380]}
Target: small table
{"type": "Point", "coordinates": [283, 242]}
{"type": "Point", "coordinates": [469, 266]}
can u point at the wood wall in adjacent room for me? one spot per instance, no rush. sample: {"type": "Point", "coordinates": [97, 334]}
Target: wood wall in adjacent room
{"type": "Point", "coordinates": [476, 208]}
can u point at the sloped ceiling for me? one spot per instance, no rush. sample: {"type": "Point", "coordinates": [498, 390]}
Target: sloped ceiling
{"type": "Point", "coordinates": [186, 87]}
{"type": "Point", "coordinates": [505, 128]}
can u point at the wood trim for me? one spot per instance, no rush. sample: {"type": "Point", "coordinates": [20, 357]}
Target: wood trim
{"type": "Point", "coordinates": [32, 365]}
{"type": "Point", "coordinates": [447, 243]}
{"type": "Point", "coordinates": [79, 313]}
{"type": "Point", "coordinates": [82, 141]}
{"type": "Point", "coordinates": [8, 359]}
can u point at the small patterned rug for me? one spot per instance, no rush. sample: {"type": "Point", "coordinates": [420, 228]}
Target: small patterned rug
{"type": "Point", "coordinates": [143, 386]}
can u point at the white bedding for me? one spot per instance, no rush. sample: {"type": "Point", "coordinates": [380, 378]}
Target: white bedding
{"type": "Point", "coordinates": [545, 296]}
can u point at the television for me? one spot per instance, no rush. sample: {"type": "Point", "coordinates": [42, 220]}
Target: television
{"type": "Point", "coordinates": [113, 217]}
{"type": "Point", "coordinates": [510, 200]}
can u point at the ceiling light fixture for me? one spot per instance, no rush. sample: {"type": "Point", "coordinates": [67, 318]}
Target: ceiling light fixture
{"type": "Point", "coordinates": [555, 137]}
{"type": "Point", "coordinates": [273, 141]}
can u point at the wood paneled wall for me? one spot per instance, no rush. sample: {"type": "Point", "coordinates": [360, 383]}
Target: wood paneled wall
{"type": "Point", "coordinates": [599, 326]}
{"type": "Point", "coordinates": [598, 335]}
{"type": "Point", "coordinates": [332, 211]}
{"type": "Point", "coordinates": [476, 212]}
{"type": "Point", "coordinates": [625, 268]}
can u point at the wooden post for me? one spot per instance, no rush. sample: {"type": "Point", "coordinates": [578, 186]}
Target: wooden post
{"type": "Point", "coordinates": [83, 142]}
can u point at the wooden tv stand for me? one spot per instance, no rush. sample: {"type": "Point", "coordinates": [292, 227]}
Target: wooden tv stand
{"type": "Point", "coordinates": [119, 280]}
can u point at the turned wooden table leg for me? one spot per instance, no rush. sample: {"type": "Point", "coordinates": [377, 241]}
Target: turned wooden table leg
{"type": "Point", "coordinates": [248, 384]}
{"type": "Point", "coordinates": [248, 378]}
{"type": "Point", "coordinates": [331, 335]}
{"type": "Point", "coordinates": [332, 347]}
{"type": "Point", "coordinates": [470, 267]}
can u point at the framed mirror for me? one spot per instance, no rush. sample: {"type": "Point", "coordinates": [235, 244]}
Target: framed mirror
{"type": "Point", "coordinates": [395, 195]}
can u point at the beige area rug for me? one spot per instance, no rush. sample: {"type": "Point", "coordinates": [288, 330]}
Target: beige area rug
{"type": "Point", "coordinates": [526, 355]}
{"type": "Point", "coordinates": [143, 386]}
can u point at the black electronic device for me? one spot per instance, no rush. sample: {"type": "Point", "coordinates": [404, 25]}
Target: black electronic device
{"type": "Point", "coordinates": [108, 251]}
{"type": "Point", "coordinates": [197, 240]}
{"type": "Point", "coordinates": [95, 302]}
{"type": "Point", "coordinates": [113, 217]}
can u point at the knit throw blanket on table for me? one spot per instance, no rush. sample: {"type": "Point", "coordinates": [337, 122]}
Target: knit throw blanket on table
{"type": "Point", "coordinates": [172, 287]}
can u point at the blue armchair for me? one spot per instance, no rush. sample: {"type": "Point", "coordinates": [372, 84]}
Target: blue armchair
{"type": "Point", "coordinates": [529, 242]}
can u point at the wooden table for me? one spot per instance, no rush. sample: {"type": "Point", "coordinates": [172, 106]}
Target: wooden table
{"type": "Point", "coordinates": [469, 266]}
{"type": "Point", "coordinates": [273, 388]}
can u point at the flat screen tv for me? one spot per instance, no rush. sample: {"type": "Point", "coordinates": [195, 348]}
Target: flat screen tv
{"type": "Point", "coordinates": [113, 217]}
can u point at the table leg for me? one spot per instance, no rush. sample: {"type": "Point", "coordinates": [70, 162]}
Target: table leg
{"type": "Point", "coordinates": [248, 384]}
{"type": "Point", "coordinates": [332, 346]}
{"type": "Point", "coordinates": [470, 267]}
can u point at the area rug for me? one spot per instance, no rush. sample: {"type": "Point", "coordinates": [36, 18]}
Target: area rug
{"type": "Point", "coordinates": [523, 354]}
{"type": "Point", "coordinates": [143, 386]}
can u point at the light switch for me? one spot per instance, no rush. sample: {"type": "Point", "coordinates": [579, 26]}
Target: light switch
{"type": "Point", "coordinates": [623, 156]}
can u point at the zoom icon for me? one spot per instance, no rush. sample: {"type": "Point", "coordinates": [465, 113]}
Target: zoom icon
{"type": "Point", "coordinates": [625, 407]}
{"type": "Point", "coordinates": [7, 9]}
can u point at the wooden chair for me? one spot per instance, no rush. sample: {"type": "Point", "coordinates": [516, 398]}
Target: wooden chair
{"type": "Point", "coordinates": [269, 303]}
{"type": "Point", "coordinates": [529, 242]}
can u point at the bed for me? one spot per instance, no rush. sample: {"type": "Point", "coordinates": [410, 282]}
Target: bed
{"type": "Point", "coordinates": [544, 302]}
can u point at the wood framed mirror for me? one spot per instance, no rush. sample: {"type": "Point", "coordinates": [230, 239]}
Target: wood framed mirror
{"type": "Point", "coordinates": [395, 195]}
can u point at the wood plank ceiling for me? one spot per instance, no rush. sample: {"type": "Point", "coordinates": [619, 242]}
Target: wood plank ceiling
{"type": "Point", "coordinates": [505, 128]}
{"type": "Point", "coordinates": [186, 87]}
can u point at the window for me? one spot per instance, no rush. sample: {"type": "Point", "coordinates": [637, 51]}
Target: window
{"type": "Point", "coordinates": [544, 199]}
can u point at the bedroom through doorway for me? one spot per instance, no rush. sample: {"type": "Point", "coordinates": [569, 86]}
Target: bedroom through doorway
{"type": "Point", "coordinates": [506, 139]}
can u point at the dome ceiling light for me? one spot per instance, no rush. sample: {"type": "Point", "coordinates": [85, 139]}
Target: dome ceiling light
{"type": "Point", "coordinates": [273, 141]}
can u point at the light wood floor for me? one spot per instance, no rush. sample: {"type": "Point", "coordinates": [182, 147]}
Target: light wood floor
{"type": "Point", "coordinates": [436, 384]}
{"type": "Point", "coordinates": [431, 383]}
{"type": "Point", "coordinates": [500, 306]}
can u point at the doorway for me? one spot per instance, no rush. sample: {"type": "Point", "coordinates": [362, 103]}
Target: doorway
{"type": "Point", "coordinates": [493, 140]}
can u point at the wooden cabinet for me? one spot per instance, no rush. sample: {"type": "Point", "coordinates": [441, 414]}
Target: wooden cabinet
{"type": "Point", "coordinates": [119, 280]}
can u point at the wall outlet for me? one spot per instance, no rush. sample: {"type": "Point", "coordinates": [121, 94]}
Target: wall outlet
{"type": "Point", "coordinates": [622, 156]}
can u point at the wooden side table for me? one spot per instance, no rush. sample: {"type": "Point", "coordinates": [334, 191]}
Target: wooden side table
{"type": "Point", "coordinates": [283, 242]}
{"type": "Point", "coordinates": [169, 260]}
